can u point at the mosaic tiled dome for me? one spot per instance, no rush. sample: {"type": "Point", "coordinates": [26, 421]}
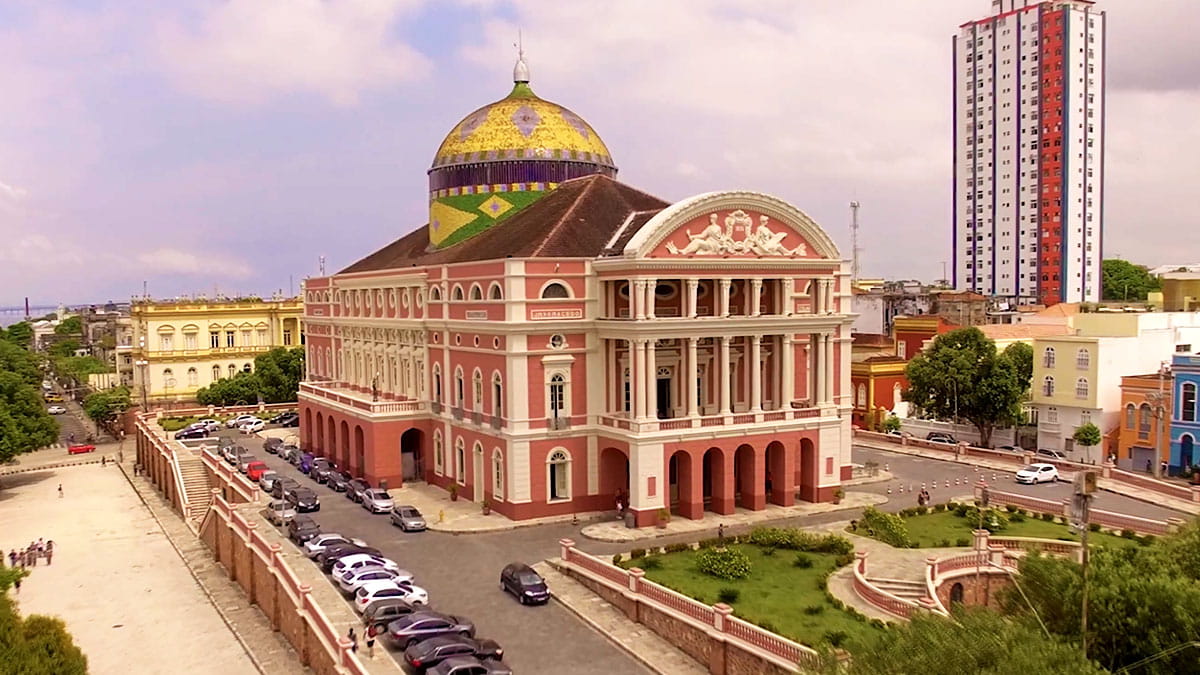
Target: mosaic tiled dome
{"type": "Point", "coordinates": [504, 156]}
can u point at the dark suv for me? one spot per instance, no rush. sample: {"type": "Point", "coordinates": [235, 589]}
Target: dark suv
{"type": "Point", "coordinates": [302, 528]}
{"type": "Point", "coordinates": [282, 487]}
{"type": "Point", "coordinates": [338, 480]}
{"type": "Point", "coordinates": [429, 653]}
{"type": "Point", "coordinates": [409, 630]}
{"type": "Point", "coordinates": [355, 489]}
{"type": "Point", "coordinates": [528, 586]}
{"type": "Point", "coordinates": [303, 500]}
{"type": "Point", "coordinates": [271, 445]}
{"type": "Point", "coordinates": [379, 615]}
{"type": "Point", "coordinates": [331, 555]}
{"type": "Point", "coordinates": [320, 469]}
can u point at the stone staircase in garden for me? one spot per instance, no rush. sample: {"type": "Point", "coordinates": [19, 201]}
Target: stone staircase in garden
{"type": "Point", "coordinates": [906, 589]}
{"type": "Point", "coordinates": [195, 484]}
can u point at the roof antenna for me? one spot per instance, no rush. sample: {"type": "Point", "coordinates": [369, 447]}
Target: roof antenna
{"type": "Point", "coordinates": [521, 70]}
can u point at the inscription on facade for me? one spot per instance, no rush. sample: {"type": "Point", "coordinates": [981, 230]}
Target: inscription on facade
{"type": "Point", "coordinates": [552, 314]}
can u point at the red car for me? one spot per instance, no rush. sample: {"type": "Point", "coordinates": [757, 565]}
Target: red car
{"type": "Point", "coordinates": [254, 470]}
{"type": "Point", "coordinates": [80, 449]}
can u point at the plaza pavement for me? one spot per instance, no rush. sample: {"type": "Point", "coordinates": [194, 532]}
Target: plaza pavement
{"type": "Point", "coordinates": [115, 580]}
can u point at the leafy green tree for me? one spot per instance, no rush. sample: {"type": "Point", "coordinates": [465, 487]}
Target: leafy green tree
{"type": "Point", "coordinates": [973, 641]}
{"type": "Point", "coordinates": [37, 645]}
{"type": "Point", "coordinates": [20, 334]}
{"type": "Point", "coordinates": [79, 367]}
{"type": "Point", "coordinates": [104, 406]}
{"type": "Point", "coordinates": [279, 372]}
{"type": "Point", "coordinates": [63, 348]}
{"type": "Point", "coordinates": [21, 362]}
{"type": "Point", "coordinates": [1088, 435]}
{"type": "Point", "coordinates": [1021, 356]}
{"type": "Point", "coordinates": [891, 423]}
{"type": "Point", "coordinates": [962, 375]}
{"type": "Point", "coordinates": [1125, 281]}
{"type": "Point", "coordinates": [72, 325]}
{"type": "Point", "coordinates": [241, 389]}
{"type": "Point", "coordinates": [24, 423]}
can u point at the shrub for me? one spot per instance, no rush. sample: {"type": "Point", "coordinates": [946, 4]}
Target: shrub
{"type": "Point", "coordinates": [962, 541]}
{"type": "Point", "coordinates": [939, 507]}
{"type": "Point", "coordinates": [813, 610]}
{"type": "Point", "coordinates": [889, 528]}
{"type": "Point", "coordinates": [616, 558]}
{"type": "Point", "coordinates": [1011, 508]}
{"type": "Point", "coordinates": [835, 638]}
{"type": "Point", "coordinates": [843, 560]}
{"type": "Point", "coordinates": [770, 551]}
{"type": "Point", "coordinates": [651, 563]}
{"type": "Point", "coordinates": [960, 510]}
{"type": "Point", "coordinates": [676, 548]}
{"type": "Point", "coordinates": [728, 595]}
{"type": "Point", "coordinates": [729, 563]}
{"type": "Point", "coordinates": [943, 543]}
{"type": "Point", "coordinates": [637, 553]}
{"type": "Point", "coordinates": [831, 543]}
{"type": "Point", "coordinates": [877, 623]}
{"type": "Point", "coordinates": [1147, 540]}
{"type": "Point", "coordinates": [1128, 534]}
{"type": "Point", "coordinates": [1048, 517]}
{"type": "Point", "coordinates": [1017, 517]}
{"type": "Point", "coordinates": [802, 561]}
{"type": "Point", "coordinates": [1094, 527]}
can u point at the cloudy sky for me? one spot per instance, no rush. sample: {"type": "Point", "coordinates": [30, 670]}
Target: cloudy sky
{"type": "Point", "coordinates": [203, 144]}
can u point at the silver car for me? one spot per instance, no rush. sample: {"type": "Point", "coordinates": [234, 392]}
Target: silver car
{"type": "Point", "coordinates": [279, 512]}
{"type": "Point", "coordinates": [313, 547]}
{"type": "Point", "coordinates": [408, 518]}
{"type": "Point", "coordinates": [376, 500]}
{"type": "Point", "coordinates": [267, 480]}
{"type": "Point", "coordinates": [244, 462]}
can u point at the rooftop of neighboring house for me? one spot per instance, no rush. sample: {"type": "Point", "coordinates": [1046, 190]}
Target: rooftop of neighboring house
{"type": "Point", "coordinates": [1062, 309]}
{"type": "Point", "coordinates": [867, 340]}
{"type": "Point", "coordinates": [1022, 331]}
{"type": "Point", "coordinates": [959, 296]}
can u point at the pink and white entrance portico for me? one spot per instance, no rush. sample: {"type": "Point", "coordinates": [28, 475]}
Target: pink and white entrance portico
{"type": "Point", "coordinates": [545, 345]}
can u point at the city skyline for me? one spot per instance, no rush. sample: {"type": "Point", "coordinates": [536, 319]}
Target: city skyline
{"type": "Point", "coordinates": [231, 167]}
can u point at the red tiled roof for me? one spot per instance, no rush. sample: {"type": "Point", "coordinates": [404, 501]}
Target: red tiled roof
{"type": "Point", "coordinates": [575, 220]}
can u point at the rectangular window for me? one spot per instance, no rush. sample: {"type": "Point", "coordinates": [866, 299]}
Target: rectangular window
{"type": "Point", "coordinates": [166, 343]}
{"type": "Point", "coordinates": [229, 338]}
{"type": "Point", "coordinates": [189, 341]}
{"type": "Point", "coordinates": [214, 339]}
{"type": "Point", "coordinates": [287, 337]}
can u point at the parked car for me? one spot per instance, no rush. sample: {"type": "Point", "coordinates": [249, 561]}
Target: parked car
{"type": "Point", "coordinates": [525, 584]}
{"type": "Point", "coordinates": [360, 561]}
{"type": "Point", "coordinates": [1052, 455]}
{"type": "Point", "coordinates": [288, 419]}
{"type": "Point", "coordinates": [1009, 448]}
{"type": "Point", "coordinates": [295, 456]}
{"type": "Point", "coordinates": [279, 512]}
{"type": "Point", "coordinates": [351, 580]}
{"type": "Point", "coordinates": [80, 448]}
{"type": "Point", "coordinates": [302, 528]}
{"type": "Point", "coordinates": [380, 613]}
{"type": "Point", "coordinates": [256, 469]}
{"type": "Point", "coordinates": [278, 419]}
{"type": "Point", "coordinates": [303, 499]}
{"type": "Point", "coordinates": [374, 590]}
{"type": "Point", "coordinates": [469, 665]}
{"type": "Point", "coordinates": [271, 445]}
{"type": "Point", "coordinates": [53, 397]}
{"type": "Point", "coordinates": [339, 480]}
{"type": "Point", "coordinates": [940, 437]}
{"type": "Point", "coordinates": [245, 461]}
{"type": "Point", "coordinates": [409, 630]}
{"type": "Point", "coordinates": [235, 422]}
{"type": "Point", "coordinates": [313, 547]}
{"type": "Point", "coordinates": [56, 410]}
{"type": "Point", "coordinates": [190, 432]}
{"type": "Point", "coordinates": [306, 460]}
{"type": "Point", "coordinates": [355, 488]}
{"type": "Point", "coordinates": [429, 653]}
{"type": "Point", "coordinates": [408, 518]}
{"type": "Point", "coordinates": [253, 426]}
{"type": "Point", "coordinates": [320, 469]}
{"type": "Point", "coordinates": [377, 501]}
{"type": "Point", "coordinates": [283, 486]}
{"type": "Point", "coordinates": [329, 557]}
{"type": "Point", "coordinates": [210, 424]}
{"type": "Point", "coordinates": [232, 453]}
{"type": "Point", "coordinates": [267, 480]}
{"type": "Point", "coordinates": [1038, 473]}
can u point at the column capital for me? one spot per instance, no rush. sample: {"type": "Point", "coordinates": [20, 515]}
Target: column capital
{"type": "Point", "coordinates": [692, 283]}
{"type": "Point", "coordinates": [725, 282]}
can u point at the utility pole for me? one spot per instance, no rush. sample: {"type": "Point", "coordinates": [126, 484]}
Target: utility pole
{"type": "Point", "coordinates": [1081, 502]}
{"type": "Point", "coordinates": [1159, 413]}
{"type": "Point", "coordinates": [855, 251]}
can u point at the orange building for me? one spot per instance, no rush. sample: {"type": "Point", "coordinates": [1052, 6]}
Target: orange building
{"type": "Point", "coordinates": [911, 332]}
{"type": "Point", "coordinates": [876, 378]}
{"type": "Point", "coordinates": [1138, 435]}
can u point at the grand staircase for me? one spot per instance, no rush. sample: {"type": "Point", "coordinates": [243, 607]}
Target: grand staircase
{"type": "Point", "coordinates": [195, 485]}
{"type": "Point", "coordinates": [905, 589]}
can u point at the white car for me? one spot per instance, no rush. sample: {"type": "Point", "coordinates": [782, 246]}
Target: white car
{"type": "Point", "coordinates": [313, 547]}
{"type": "Point", "coordinates": [352, 580]}
{"type": "Point", "coordinates": [253, 426]}
{"type": "Point", "coordinates": [210, 424]}
{"type": "Point", "coordinates": [375, 590]}
{"type": "Point", "coordinates": [1038, 473]}
{"type": "Point", "coordinates": [279, 512]}
{"type": "Point", "coordinates": [56, 410]}
{"type": "Point", "coordinates": [358, 561]}
{"type": "Point", "coordinates": [235, 422]}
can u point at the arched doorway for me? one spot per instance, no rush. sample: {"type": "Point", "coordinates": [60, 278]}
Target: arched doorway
{"type": "Point", "coordinates": [685, 491]}
{"type": "Point", "coordinates": [748, 478]}
{"type": "Point", "coordinates": [718, 482]}
{"type": "Point", "coordinates": [319, 437]}
{"type": "Point", "coordinates": [360, 451]}
{"type": "Point", "coordinates": [477, 476]}
{"type": "Point", "coordinates": [778, 480]}
{"type": "Point", "coordinates": [956, 594]}
{"type": "Point", "coordinates": [344, 448]}
{"type": "Point", "coordinates": [412, 465]}
{"type": "Point", "coordinates": [807, 470]}
{"type": "Point", "coordinates": [1185, 451]}
{"type": "Point", "coordinates": [306, 431]}
{"type": "Point", "coordinates": [614, 475]}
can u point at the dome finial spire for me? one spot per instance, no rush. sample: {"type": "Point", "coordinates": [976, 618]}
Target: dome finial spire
{"type": "Point", "coordinates": [521, 70]}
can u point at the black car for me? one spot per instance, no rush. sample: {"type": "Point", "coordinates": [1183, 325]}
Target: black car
{"type": "Point", "coordinates": [303, 500]}
{"type": "Point", "coordinates": [409, 630]}
{"type": "Point", "coordinates": [282, 487]}
{"type": "Point", "coordinates": [469, 665]}
{"type": "Point", "coordinates": [520, 580]}
{"type": "Point", "coordinates": [290, 420]}
{"type": "Point", "coordinates": [380, 614]}
{"type": "Point", "coordinates": [295, 456]}
{"type": "Point", "coordinates": [330, 556]}
{"type": "Point", "coordinates": [355, 488]}
{"type": "Point", "coordinates": [271, 445]}
{"type": "Point", "coordinates": [319, 469]}
{"type": "Point", "coordinates": [281, 417]}
{"type": "Point", "coordinates": [428, 653]}
{"type": "Point", "coordinates": [940, 437]}
{"type": "Point", "coordinates": [302, 528]}
{"type": "Point", "coordinates": [192, 432]}
{"type": "Point", "coordinates": [338, 480]}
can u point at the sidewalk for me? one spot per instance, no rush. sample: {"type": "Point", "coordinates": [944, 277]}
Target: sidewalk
{"type": "Point", "coordinates": [658, 655]}
{"type": "Point", "coordinates": [1114, 486]}
{"type": "Point", "coordinates": [54, 457]}
{"type": "Point", "coordinates": [615, 530]}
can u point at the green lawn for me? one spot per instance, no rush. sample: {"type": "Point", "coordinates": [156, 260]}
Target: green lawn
{"type": "Point", "coordinates": [940, 526]}
{"type": "Point", "coordinates": [775, 595]}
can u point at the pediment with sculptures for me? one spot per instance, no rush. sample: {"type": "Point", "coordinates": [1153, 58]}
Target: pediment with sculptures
{"type": "Point", "coordinates": [737, 234]}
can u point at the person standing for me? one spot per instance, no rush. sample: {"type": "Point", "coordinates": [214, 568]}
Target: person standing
{"type": "Point", "coordinates": [60, 490]}
{"type": "Point", "coordinates": [12, 557]}
{"type": "Point", "coordinates": [353, 640]}
{"type": "Point", "coordinates": [50, 552]}
{"type": "Point", "coordinates": [17, 585]}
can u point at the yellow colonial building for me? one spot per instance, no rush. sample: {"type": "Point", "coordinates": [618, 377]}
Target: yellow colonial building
{"type": "Point", "coordinates": [180, 346]}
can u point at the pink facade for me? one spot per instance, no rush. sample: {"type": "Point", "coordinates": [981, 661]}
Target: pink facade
{"type": "Point", "coordinates": [696, 361]}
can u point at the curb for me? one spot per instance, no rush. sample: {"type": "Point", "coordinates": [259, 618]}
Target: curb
{"type": "Point", "coordinates": [517, 525]}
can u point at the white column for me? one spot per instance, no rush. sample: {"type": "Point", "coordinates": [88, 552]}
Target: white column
{"type": "Point", "coordinates": [815, 357]}
{"type": "Point", "coordinates": [723, 366]}
{"type": "Point", "coordinates": [756, 297]}
{"type": "Point", "coordinates": [692, 373]}
{"type": "Point", "coordinates": [723, 298]}
{"type": "Point", "coordinates": [755, 366]}
{"type": "Point", "coordinates": [693, 293]}
{"type": "Point", "coordinates": [651, 287]}
{"type": "Point", "coordinates": [635, 380]}
{"type": "Point", "coordinates": [637, 296]}
{"type": "Point", "coordinates": [830, 365]}
{"type": "Point", "coordinates": [651, 380]}
{"type": "Point", "coordinates": [787, 372]}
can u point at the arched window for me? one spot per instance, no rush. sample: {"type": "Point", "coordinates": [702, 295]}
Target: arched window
{"type": "Point", "coordinates": [437, 382]}
{"type": "Point", "coordinates": [168, 378]}
{"type": "Point", "coordinates": [497, 474]}
{"type": "Point", "coordinates": [193, 377]}
{"type": "Point", "coordinates": [459, 397]}
{"type": "Point", "coordinates": [435, 294]}
{"type": "Point", "coordinates": [497, 396]}
{"type": "Point", "coordinates": [1130, 416]}
{"type": "Point", "coordinates": [897, 394]}
{"type": "Point", "coordinates": [477, 390]}
{"type": "Point", "coordinates": [1146, 415]}
{"type": "Point", "coordinates": [861, 399]}
{"type": "Point", "coordinates": [460, 462]}
{"type": "Point", "coordinates": [457, 294]}
{"type": "Point", "coordinates": [1188, 403]}
{"type": "Point", "coordinates": [556, 291]}
{"type": "Point", "coordinates": [1083, 359]}
{"type": "Point", "coordinates": [232, 370]}
{"type": "Point", "coordinates": [438, 457]}
{"type": "Point", "coordinates": [476, 292]}
{"type": "Point", "coordinates": [495, 292]}
{"type": "Point", "coordinates": [1081, 388]}
{"type": "Point", "coordinates": [246, 368]}
{"type": "Point", "coordinates": [216, 373]}
{"type": "Point", "coordinates": [557, 395]}
{"type": "Point", "coordinates": [1048, 357]}
{"type": "Point", "coordinates": [558, 475]}
{"type": "Point", "coordinates": [1048, 386]}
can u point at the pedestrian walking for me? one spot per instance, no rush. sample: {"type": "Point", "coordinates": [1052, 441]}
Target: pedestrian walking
{"type": "Point", "coordinates": [60, 490]}
{"type": "Point", "coordinates": [103, 461]}
{"type": "Point", "coordinates": [353, 640]}
{"type": "Point", "coordinates": [12, 557]}
{"type": "Point", "coordinates": [71, 437]}
{"type": "Point", "coordinates": [20, 558]}
{"type": "Point", "coordinates": [50, 552]}
{"type": "Point", "coordinates": [31, 557]}
{"type": "Point", "coordinates": [370, 643]}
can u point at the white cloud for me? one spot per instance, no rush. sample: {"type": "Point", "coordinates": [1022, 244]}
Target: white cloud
{"type": "Point", "coordinates": [168, 260]}
{"type": "Point", "coordinates": [247, 51]}
{"type": "Point", "coordinates": [12, 192]}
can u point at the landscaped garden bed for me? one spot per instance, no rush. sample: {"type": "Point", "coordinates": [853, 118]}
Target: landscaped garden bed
{"type": "Point", "coordinates": [946, 525]}
{"type": "Point", "coordinates": [774, 577]}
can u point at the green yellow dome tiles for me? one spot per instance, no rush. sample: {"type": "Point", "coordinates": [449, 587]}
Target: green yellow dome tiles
{"type": "Point", "coordinates": [455, 218]}
{"type": "Point", "coordinates": [522, 126]}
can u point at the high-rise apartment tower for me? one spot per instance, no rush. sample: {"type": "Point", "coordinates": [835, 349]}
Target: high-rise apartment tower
{"type": "Point", "coordinates": [1029, 152]}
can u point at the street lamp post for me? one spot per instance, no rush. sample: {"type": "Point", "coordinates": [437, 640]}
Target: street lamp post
{"type": "Point", "coordinates": [1159, 400]}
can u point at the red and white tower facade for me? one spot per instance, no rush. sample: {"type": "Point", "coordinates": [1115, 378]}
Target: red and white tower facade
{"type": "Point", "coordinates": [1029, 152]}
